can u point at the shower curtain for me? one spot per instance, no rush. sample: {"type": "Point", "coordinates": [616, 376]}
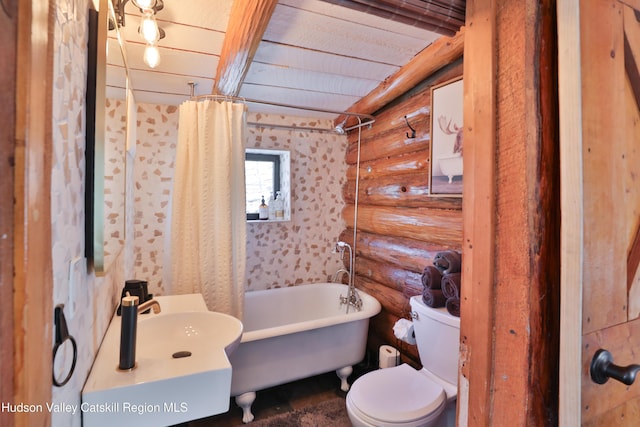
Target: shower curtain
{"type": "Point", "coordinates": [208, 227]}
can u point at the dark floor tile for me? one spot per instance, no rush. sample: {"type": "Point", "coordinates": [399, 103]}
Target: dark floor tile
{"type": "Point", "coordinates": [284, 398]}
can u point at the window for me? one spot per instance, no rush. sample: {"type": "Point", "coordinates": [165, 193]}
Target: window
{"type": "Point", "coordinates": [262, 179]}
{"type": "Point", "coordinates": [267, 171]}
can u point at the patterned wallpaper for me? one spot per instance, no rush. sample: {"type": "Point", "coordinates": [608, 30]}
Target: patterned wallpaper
{"type": "Point", "coordinates": [90, 304]}
{"type": "Point", "coordinates": [157, 135]}
{"type": "Point", "coordinates": [114, 178]}
{"type": "Point", "coordinates": [279, 254]}
{"type": "Point", "coordinates": [299, 251]}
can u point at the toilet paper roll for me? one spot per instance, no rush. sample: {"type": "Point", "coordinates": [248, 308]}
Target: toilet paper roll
{"type": "Point", "coordinates": [403, 330]}
{"type": "Point", "coordinates": [389, 357]}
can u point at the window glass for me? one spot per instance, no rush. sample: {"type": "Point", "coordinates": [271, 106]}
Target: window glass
{"type": "Point", "coordinates": [262, 179]}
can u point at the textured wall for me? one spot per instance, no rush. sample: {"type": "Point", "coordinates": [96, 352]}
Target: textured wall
{"type": "Point", "coordinates": [93, 297]}
{"type": "Point", "coordinates": [157, 136]}
{"type": "Point", "coordinates": [279, 254]}
{"type": "Point", "coordinates": [299, 251]}
{"type": "Point", "coordinates": [114, 178]}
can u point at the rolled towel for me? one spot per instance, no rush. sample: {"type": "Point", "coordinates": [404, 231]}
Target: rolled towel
{"type": "Point", "coordinates": [453, 306]}
{"type": "Point", "coordinates": [431, 277]}
{"type": "Point", "coordinates": [448, 262]}
{"type": "Point", "coordinates": [451, 285]}
{"type": "Point", "coordinates": [433, 298]}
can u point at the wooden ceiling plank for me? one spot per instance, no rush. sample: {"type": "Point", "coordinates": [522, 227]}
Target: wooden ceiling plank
{"type": "Point", "coordinates": [247, 23]}
{"type": "Point", "coordinates": [287, 56]}
{"type": "Point", "coordinates": [287, 95]}
{"type": "Point", "coordinates": [430, 13]}
{"type": "Point", "coordinates": [273, 75]}
{"type": "Point", "coordinates": [432, 16]}
{"type": "Point", "coordinates": [440, 53]}
{"type": "Point", "coordinates": [296, 27]}
{"type": "Point", "coordinates": [329, 8]}
{"type": "Point", "coordinates": [434, 9]}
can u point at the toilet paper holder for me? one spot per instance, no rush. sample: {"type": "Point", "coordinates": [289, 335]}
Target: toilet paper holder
{"type": "Point", "coordinates": [403, 330]}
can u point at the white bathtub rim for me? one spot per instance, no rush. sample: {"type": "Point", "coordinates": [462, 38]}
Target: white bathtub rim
{"type": "Point", "coordinates": [371, 307]}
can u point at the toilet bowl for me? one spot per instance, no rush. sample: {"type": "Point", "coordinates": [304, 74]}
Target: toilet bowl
{"type": "Point", "coordinates": [399, 396]}
{"type": "Point", "coordinates": [406, 397]}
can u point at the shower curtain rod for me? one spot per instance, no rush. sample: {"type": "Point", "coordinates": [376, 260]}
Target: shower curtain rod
{"type": "Point", "coordinates": [370, 119]}
{"type": "Point", "coordinates": [292, 127]}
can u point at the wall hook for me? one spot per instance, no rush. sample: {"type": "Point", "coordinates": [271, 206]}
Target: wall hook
{"type": "Point", "coordinates": [413, 131]}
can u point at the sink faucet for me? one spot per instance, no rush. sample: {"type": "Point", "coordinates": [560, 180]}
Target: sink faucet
{"type": "Point", "coordinates": [129, 327]}
{"type": "Point", "coordinates": [153, 304]}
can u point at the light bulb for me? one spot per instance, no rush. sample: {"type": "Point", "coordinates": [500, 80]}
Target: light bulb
{"type": "Point", "coordinates": [151, 56]}
{"type": "Point", "coordinates": [149, 27]}
{"type": "Point", "coordinates": [145, 4]}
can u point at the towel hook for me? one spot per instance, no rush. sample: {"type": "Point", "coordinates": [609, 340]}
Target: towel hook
{"type": "Point", "coordinates": [413, 131]}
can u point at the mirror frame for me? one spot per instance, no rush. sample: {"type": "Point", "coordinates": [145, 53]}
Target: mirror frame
{"type": "Point", "coordinates": [95, 133]}
{"type": "Point", "coordinates": [100, 23]}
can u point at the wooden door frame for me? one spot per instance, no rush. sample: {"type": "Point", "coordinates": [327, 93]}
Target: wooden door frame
{"type": "Point", "coordinates": [31, 216]}
{"type": "Point", "coordinates": [478, 209]}
{"type": "Point", "coordinates": [570, 111]}
{"type": "Point", "coordinates": [8, 49]}
{"type": "Point", "coordinates": [510, 292]}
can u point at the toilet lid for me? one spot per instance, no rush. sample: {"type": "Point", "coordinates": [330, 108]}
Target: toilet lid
{"type": "Point", "coordinates": [399, 394]}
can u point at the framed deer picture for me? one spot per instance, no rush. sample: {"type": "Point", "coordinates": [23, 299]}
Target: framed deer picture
{"type": "Point", "coordinates": [445, 170]}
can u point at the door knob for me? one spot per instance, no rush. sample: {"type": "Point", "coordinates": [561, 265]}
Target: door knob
{"type": "Point", "coordinates": [602, 368]}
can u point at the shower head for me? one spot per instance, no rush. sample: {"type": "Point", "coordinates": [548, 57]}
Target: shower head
{"type": "Point", "coordinates": [339, 129]}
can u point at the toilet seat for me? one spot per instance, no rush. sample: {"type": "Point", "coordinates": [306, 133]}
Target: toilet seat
{"type": "Point", "coordinates": [396, 396]}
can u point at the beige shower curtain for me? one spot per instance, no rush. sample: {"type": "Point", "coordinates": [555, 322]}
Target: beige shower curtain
{"type": "Point", "coordinates": [208, 232]}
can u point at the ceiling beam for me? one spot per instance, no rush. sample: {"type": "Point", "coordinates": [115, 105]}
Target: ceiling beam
{"type": "Point", "coordinates": [247, 23]}
{"type": "Point", "coordinates": [435, 56]}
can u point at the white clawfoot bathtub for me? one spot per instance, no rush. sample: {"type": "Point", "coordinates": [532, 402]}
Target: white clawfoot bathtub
{"type": "Point", "coordinates": [297, 332]}
{"type": "Point", "coordinates": [451, 165]}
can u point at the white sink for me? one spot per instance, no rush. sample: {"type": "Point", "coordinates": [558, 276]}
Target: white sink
{"type": "Point", "coordinates": [182, 368]}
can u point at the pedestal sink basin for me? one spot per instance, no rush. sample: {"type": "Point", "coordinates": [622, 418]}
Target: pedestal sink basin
{"type": "Point", "coordinates": [196, 337]}
{"type": "Point", "coordinates": [182, 368]}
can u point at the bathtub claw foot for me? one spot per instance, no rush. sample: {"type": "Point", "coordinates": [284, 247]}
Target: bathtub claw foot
{"type": "Point", "coordinates": [343, 374]}
{"type": "Point", "coordinates": [245, 400]}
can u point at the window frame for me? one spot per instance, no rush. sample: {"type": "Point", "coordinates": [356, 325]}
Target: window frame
{"type": "Point", "coordinates": [268, 158]}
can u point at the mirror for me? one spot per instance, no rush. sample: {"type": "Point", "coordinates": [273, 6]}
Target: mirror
{"type": "Point", "coordinates": [106, 215]}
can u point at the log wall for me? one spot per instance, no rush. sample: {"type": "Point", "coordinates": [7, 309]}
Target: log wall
{"type": "Point", "coordinates": [400, 227]}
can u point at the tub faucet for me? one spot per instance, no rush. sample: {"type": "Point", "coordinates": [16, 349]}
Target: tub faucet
{"type": "Point", "coordinates": [341, 273]}
{"type": "Point", "coordinates": [352, 299]}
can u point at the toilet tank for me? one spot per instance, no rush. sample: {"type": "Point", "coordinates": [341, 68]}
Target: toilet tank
{"type": "Point", "coordinates": [438, 338]}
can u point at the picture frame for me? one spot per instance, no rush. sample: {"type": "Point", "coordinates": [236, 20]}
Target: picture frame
{"type": "Point", "coordinates": [445, 165]}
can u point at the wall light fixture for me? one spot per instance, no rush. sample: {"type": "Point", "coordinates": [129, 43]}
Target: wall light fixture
{"type": "Point", "coordinates": [148, 29]}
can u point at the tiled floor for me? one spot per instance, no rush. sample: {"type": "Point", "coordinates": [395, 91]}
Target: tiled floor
{"type": "Point", "coordinates": [284, 398]}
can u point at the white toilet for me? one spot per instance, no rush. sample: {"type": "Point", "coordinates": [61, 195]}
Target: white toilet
{"type": "Point", "coordinates": [403, 396]}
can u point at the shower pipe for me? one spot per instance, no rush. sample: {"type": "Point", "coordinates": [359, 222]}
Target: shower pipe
{"type": "Point", "coordinates": [370, 119]}
{"type": "Point", "coordinates": [355, 202]}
